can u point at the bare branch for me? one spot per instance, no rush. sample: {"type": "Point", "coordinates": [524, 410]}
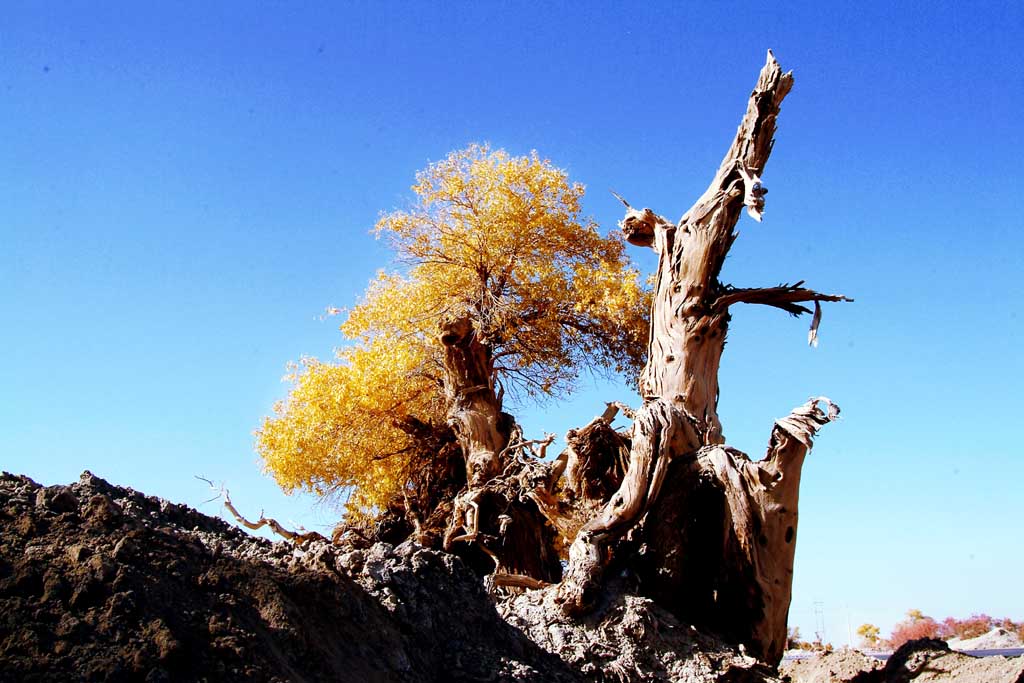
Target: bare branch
{"type": "Point", "coordinates": [619, 197]}
{"type": "Point", "coordinates": [749, 151]}
{"type": "Point", "coordinates": [785, 297]}
{"type": "Point", "coordinates": [626, 410]}
{"type": "Point", "coordinates": [209, 500]}
{"type": "Point", "coordinates": [295, 537]}
{"type": "Point", "coordinates": [545, 442]}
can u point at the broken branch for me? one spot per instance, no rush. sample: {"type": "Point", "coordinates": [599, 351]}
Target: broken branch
{"type": "Point", "coordinates": [295, 537]}
{"type": "Point", "coordinates": [786, 297]}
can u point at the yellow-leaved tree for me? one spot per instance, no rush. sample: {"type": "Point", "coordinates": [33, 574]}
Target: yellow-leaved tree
{"type": "Point", "coordinates": [503, 289]}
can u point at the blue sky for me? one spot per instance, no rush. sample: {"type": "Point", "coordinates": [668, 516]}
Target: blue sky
{"type": "Point", "coordinates": [185, 188]}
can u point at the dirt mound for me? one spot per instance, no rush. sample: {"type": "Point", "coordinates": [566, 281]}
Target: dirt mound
{"type": "Point", "coordinates": [996, 639]}
{"type": "Point", "coordinates": [103, 583]}
{"type": "Point", "coordinates": [828, 667]}
{"type": "Point", "coordinates": [920, 661]}
{"type": "Point", "coordinates": [629, 638]}
{"type": "Point", "coordinates": [99, 582]}
{"type": "Point", "coordinates": [932, 660]}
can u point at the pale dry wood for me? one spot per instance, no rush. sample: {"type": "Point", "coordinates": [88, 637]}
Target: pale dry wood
{"type": "Point", "coordinates": [687, 330]}
{"type": "Point", "coordinates": [659, 429]}
{"type": "Point", "coordinates": [786, 297]}
{"type": "Point", "coordinates": [762, 506]}
{"type": "Point", "coordinates": [594, 462]}
{"type": "Point", "coordinates": [474, 414]}
{"type": "Point", "coordinates": [679, 384]}
{"type": "Point", "coordinates": [501, 512]}
{"type": "Point", "coordinates": [543, 443]}
{"type": "Point", "coordinates": [299, 538]}
{"type": "Point", "coordinates": [812, 334]}
{"type": "Point", "coordinates": [630, 413]}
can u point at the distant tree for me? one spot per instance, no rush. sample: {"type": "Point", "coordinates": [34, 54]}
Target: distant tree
{"type": "Point", "coordinates": [869, 634]}
{"type": "Point", "coordinates": [793, 638]}
{"type": "Point", "coordinates": [915, 626]}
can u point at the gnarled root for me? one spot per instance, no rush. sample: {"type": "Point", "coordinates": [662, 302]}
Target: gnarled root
{"type": "Point", "coordinates": [503, 525]}
{"type": "Point", "coordinates": [659, 430]}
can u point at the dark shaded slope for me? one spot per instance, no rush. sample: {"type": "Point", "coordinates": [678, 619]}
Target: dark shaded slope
{"type": "Point", "coordinates": [99, 582]}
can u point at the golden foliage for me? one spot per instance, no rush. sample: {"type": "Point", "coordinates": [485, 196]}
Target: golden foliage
{"type": "Point", "coordinates": [499, 238]}
{"type": "Point", "coordinates": [338, 429]}
{"type": "Point", "coordinates": [502, 238]}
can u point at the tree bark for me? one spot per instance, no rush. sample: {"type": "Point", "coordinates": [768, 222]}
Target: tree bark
{"type": "Point", "coordinates": [596, 460]}
{"type": "Point", "coordinates": [717, 547]}
{"type": "Point", "coordinates": [474, 411]}
{"type": "Point", "coordinates": [679, 422]}
{"type": "Point", "coordinates": [494, 524]}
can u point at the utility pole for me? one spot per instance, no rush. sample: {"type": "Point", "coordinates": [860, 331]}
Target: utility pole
{"type": "Point", "coordinates": [819, 621]}
{"type": "Point", "coordinates": [849, 629]}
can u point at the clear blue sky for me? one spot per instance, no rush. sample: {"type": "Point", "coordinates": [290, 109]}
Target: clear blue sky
{"type": "Point", "coordinates": [185, 188]}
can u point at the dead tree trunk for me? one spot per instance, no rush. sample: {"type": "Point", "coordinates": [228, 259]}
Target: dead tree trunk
{"type": "Point", "coordinates": [752, 539]}
{"type": "Point", "coordinates": [717, 547]}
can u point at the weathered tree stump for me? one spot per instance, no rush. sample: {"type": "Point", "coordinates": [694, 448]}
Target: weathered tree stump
{"type": "Point", "coordinates": [717, 532]}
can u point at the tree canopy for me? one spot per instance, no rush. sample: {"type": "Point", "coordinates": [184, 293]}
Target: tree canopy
{"type": "Point", "coordinates": [494, 239]}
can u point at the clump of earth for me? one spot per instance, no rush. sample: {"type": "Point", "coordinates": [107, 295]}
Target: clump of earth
{"type": "Point", "coordinates": [103, 583]}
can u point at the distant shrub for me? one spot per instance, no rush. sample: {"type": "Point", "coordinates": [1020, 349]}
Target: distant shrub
{"type": "Point", "coordinates": [915, 626]}
{"type": "Point", "coordinates": [971, 627]}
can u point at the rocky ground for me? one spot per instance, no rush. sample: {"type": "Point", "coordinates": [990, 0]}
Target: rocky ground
{"type": "Point", "coordinates": [103, 583]}
{"type": "Point", "coordinates": [919, 661]}
{"type": "Point", "coordinates": [99, 583]}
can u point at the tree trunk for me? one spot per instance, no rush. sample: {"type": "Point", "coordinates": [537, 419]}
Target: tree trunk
{"type": "Point", "coordinates": [473, 408]}
{"type": "Point", "coordinates": [494, 525]}
{"type": "Point", "coordinates": [718, 544]}
{"type": "Point", "coordinates": [732, 517]}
